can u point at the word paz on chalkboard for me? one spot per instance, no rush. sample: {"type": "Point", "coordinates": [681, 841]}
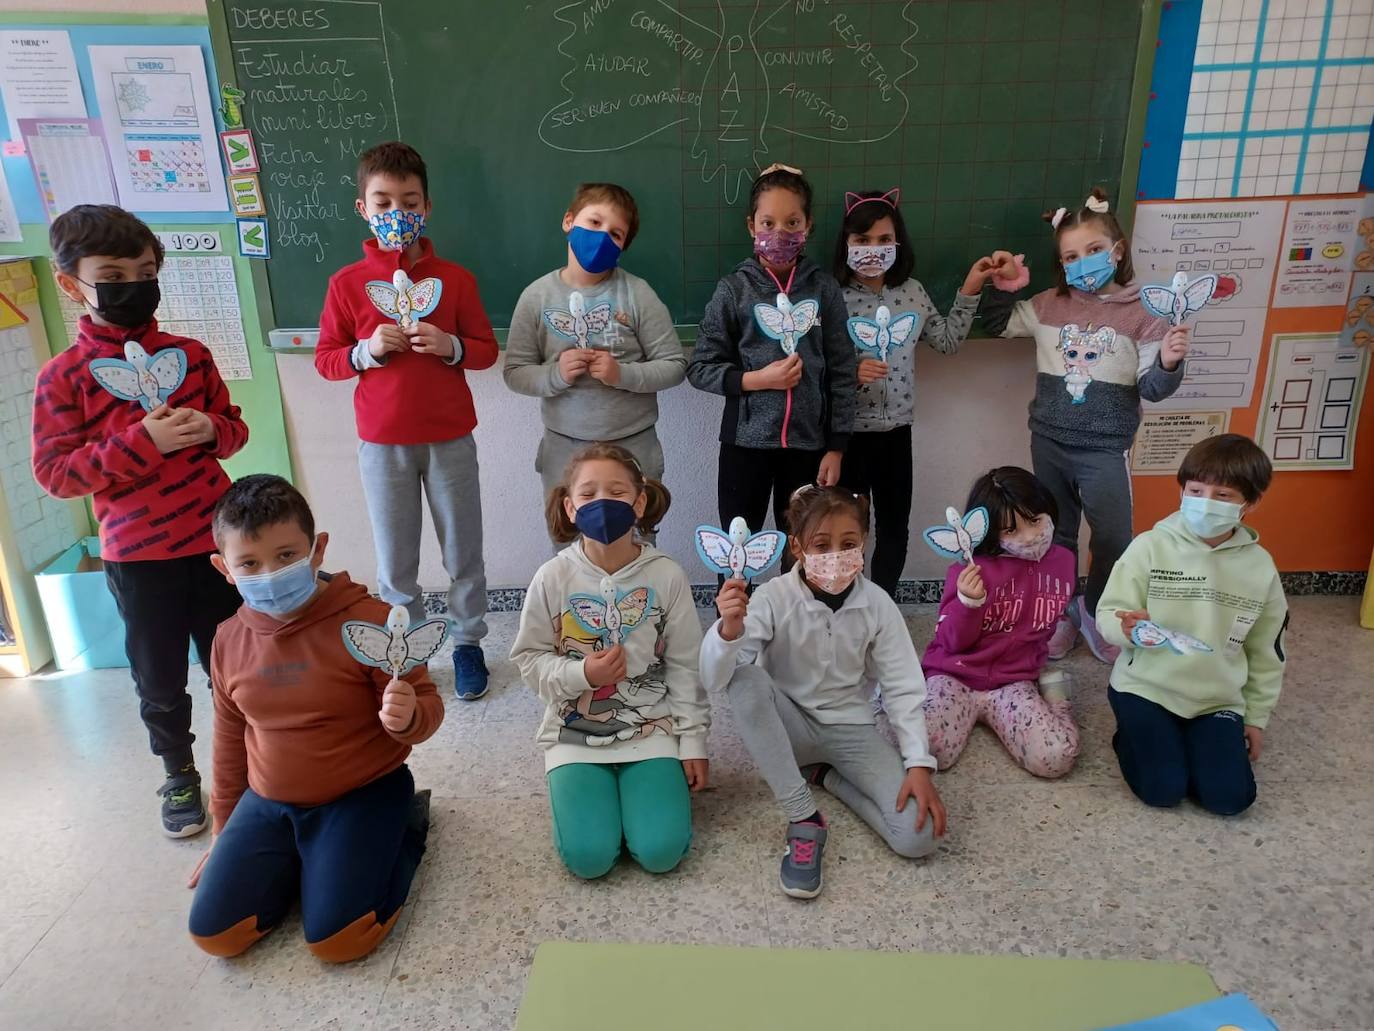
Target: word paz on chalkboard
{"type": "Point", "coordinates": [739, 554]}
{"type": "Point", "coordinates": [402, 300]}
{"type": "Point", "coordinates": [577, 323]}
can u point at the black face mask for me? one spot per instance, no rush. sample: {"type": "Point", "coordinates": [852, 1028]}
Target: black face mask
{"type": "Point", "coordinates": [127, 305]}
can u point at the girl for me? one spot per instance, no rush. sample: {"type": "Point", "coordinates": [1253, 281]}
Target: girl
{"type": "Point", "coordinates": [793, 659]}
{"type": "Point", "coordinates": [1098, 354]}
{"type": "Point", "coordinates": [873, 262]}
{"type": "Point", "coordinates": [608, 639]}
{"type": "Point", "coordinates": [773, 341]}
{"type": "Point", "coordinates": [992, 639]}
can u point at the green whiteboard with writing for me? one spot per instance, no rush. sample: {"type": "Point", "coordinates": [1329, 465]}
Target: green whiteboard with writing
{"type": "Point", "coordinates": [984, 112]}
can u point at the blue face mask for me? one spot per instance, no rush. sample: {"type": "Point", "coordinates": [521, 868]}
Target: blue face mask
{"type": "Point", "coordinates": [594, 249]}
{"type": "Point", "coordinates": [396, 230]}
{"type": "Point", "coordinates": [1092, 273]}
{"type": "Point", "coordinates": [1209, 518]}
{"type": "Point", "coordinates": [281, 591]}
{"type": "Point", "coordinates": [605, 519]}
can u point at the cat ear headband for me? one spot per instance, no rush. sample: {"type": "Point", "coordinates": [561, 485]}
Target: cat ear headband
{"type": "Point", "coordinates": [890, 198]}
{"type": "Point", "coordinates": [1093, 204]}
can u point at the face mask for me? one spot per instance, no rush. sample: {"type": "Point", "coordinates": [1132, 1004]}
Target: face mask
{"type": "Point", "coordinates": [1208, 518]}
{"type": "Point", "coordinates": [128, 305]}
{"type": "Point", "coordinates": [281, 591]}
{"type": "Point", "coordinates": [1092, 273]}
{"type": "Point", "coordinates": [594, 249]}
{"type": "Point", "coordinates": [833, 571]}
{"type": "Point", "coordinates": [1032, 550]}
{"type": "Point", "coordinates": [605, 519]}
{"type": "Point", "coordinates": [872, 261]}
{"type": "Point", "coordinates": [778, 246]}
{"type": "Point", "coordinates": [396, 230]}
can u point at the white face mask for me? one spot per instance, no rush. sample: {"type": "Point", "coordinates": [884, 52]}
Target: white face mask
{"type": "Point", "coordinates": [872, 260]}
{"type": "Point", "coordinates": [1209, 518]}
{"type": "Point", "coordinates": [832, 571]}
{"type": "Point", "coordinates": [1032, 550]}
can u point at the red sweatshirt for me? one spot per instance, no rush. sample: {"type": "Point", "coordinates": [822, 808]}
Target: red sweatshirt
{"type": "Point", "coordinates": [296, 715]}
{"type": "Point", "coordinates": [87, 441]}
{"type": "Point", "coordinates": [413, 398]}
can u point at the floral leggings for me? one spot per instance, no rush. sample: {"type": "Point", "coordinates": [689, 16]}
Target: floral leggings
{"type": "Point", "coordinates": [1040, 735]}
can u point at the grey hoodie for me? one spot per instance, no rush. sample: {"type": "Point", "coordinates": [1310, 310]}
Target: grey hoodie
{"type": "Point", "coordinates": [731, 342]}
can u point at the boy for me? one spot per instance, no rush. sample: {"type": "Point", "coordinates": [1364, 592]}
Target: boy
{"type": "Point", "coordinates": [597, 361]}
{"type": "Point", "coordinates": [1197, 609]}
{"type": "Point", "coordinates": [311, 795]}
{"type": "Point", "coordinates": [413, 406]}
{"type": "Point", "coordinates": [149, 459]}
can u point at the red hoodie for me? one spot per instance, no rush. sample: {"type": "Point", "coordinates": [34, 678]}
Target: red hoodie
{"type": "Point", "coordinates": [87, 441]}
{"type": "Point", "coordinates": [296, 714]}
{"type": "Point", "coordinates": [413, 398]}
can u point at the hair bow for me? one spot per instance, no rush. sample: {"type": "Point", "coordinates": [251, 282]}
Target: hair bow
{"type": "Point", "coordinates": [1096, 206]}
{"type": "Point", "coordinates": [777, 166]}
{"type": "Point", "coordinates": [1058, 217]}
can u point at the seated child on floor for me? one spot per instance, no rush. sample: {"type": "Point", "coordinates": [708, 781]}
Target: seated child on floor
{"type": "Point", "coordinates": [312, 797]}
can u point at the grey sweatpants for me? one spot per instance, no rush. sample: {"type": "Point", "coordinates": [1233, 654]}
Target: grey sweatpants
{"type": "Point", "coordinates": [867, 770]}
{"type": "Point", "coordinates": [393, 475]}
{"type": "Point", "coordinates": [555, 450]}
{"type": "Point", "coordinates": [1095, 484]}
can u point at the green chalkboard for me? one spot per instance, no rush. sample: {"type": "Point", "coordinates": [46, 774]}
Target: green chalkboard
{"type": "Point", "coordinates": [985, 112]}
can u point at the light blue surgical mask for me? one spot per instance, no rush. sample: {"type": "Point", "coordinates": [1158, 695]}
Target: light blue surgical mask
{"type": "Point", "coordinates": [281, 591]}
{"type": "Point", "coordinates": [1091, 273]}
{"type": "Point", "coordinates": [1209, 518]}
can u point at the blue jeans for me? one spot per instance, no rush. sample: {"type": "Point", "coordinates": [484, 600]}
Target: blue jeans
{"type": "Point", "coordinates": [1165, 758]}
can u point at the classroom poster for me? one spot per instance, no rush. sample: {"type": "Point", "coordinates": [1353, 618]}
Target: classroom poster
{"type": "Point", "coordinates": [1357, 329]}
{"type": "Point", "coordinates": [9, 215]}
{"type": "Point", "coordinates": [69, 161]}
{"type": "Point", "coordinates": [164, 145]}
{"type": "Point", "coordinates": [1312, 402]}
{"type": "Point", "coordinates": [1165, 437]}
{"type": "Point", "coordinates": [1319, 245]}
{"type": "Point", "coordinates": [38, 76]}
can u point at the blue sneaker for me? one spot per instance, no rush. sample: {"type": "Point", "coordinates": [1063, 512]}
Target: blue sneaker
{"type": "Point", "coordinates": [469, 672]}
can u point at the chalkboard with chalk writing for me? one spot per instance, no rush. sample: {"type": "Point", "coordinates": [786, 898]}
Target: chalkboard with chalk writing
{"type": "Point", "coordinates": [984, 112]}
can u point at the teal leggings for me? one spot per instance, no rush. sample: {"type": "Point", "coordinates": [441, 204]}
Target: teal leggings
{"type": "Point", "coordinates": [597, 805]}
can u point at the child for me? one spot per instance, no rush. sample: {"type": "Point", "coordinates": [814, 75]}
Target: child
{"type": "Point", "coordinates": [597, 361]}
{"type": "Point", "coordinates": [1099, 354]}
{"type": "Point", "coordinates": [414, 410]}
{"type": "Point", "coordinates": [773, 341]}
{"type": "Point", "coordinates": [992, 638]}
{"type": "Point", "coordinates": [1194, 686]}
{"type": "Point", "coordinates": [793, 659]}
{"type": "Point", "coordinates": [150, 462]}
{"type": "Point", "coordinates": [312, 797]}
{"type": "Point", "coordinates": [873, 263]}
{"type": "Point", "coordinates": [608, 640]}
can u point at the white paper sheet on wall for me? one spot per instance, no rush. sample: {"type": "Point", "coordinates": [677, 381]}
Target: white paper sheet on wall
{"type": "Point", "coordinates": [9, 216]}
{"type": "Point", "coordinates": [1165, 437]}
{"type": "Point", "coordinates": [1312, 402]}
{"type": "Point", "coordinates": [38, 76]}
{"type": "Point", "coordinates": [155, 102]}
{"type": "Point", "coordinates": [69, 161]}
{"type": "Point", "coordinates": [1319, 245]}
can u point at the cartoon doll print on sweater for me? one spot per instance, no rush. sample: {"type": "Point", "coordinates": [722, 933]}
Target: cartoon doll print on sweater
{"type": "Point", "coordinates": [1082, 349]}
{"type": "Point", "coordinates": [141, 377]}
{"type": "Point", "coordinates": [402, 300]}
{"type": "Point", "coordinates": [577, 323]}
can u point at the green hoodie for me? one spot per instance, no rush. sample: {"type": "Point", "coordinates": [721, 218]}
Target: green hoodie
{"type": "Point", "coordinates": [1228, 597]}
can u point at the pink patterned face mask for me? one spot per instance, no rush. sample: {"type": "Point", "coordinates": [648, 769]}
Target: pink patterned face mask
{"type": "Point", "coordinates": [778, 246]}
{"type": "Point", "coordinates": [1032, 550]}
{"type": "Point", "coordinates": [833, 571]}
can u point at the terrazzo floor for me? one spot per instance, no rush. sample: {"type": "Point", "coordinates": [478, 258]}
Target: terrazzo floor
{"type": "Point", "coordinates": [1278, 903]}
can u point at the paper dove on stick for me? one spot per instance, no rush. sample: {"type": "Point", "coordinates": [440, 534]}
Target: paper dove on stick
{"type": "Point", "coordinates": [395, 647]}
{"type": "Point", "coordinates": [402, 300]}
{"type": "Point", "coordinates": [577, 323]}
{"type": "Point", "coordinates": [1149, 634]}
{"type": "Point", "coordinates": [960, 535]}
{"type": "Point", "coordinates": [787, 322]}
{"type": "Point", "coordinates": [882, 333]}
{"type": "Point", "coordinates": [148, 379]}
{"type": "Point", "coordinates": [1180, 300]}
{"type": "Point", "coordinates": [614, 614]}
{"type": "Point", "coordinates": [739, 554]}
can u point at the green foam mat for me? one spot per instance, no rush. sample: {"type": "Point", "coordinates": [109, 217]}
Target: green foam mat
{"type": "Point", "coordinates": [583, 986]}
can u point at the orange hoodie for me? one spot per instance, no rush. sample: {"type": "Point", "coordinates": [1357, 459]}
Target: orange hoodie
{"type": "Point", "coordinates": [296, 715]}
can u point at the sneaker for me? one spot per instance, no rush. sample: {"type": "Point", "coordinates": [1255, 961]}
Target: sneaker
{"type": "Point", "coordinates": [1102, 650]}
{"type": "Point", "coordinates": [469, 672]}
{"type": "Point", "coordinates": [183, 812]}
{"type": "Point", "coordinates": [1063, 639]}
{"type": "Point", "coordinates": [418, 820]}
{"type": "Point", "coordinates": [1055, 685]}
{"type": "Point", "coordinates": [801, 862]}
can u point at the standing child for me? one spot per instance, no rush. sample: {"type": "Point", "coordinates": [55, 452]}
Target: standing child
{"type": "Point", "coordinates": [793, 660]}
{"type": "Point", "coordinates": [148, 455]}
{"type": "Point", "coordinates": [1099, 353]}
{"type": "Point", "coordinates": [410, 325]}
{"type": "Point", "coordinates": [773, 341]}
{"type": "Point", "coordinates": [594, 342]}
{"type": "Point", "coordinates": [1197, 608]}
{"type": "Point", "coordinates": [608, 639]}
{"type": "Point", "coordinates": [312, 797]}
{"type": "Point", "coordinates": [992, 638]}
{"type": "Point", "coordinates": [873, 263]}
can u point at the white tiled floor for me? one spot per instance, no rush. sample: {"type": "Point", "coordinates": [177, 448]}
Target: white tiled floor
{"type": "Point", "coordinates": [1278, 903]}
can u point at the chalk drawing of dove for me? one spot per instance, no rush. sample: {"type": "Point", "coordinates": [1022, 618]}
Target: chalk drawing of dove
{"type": "Point", "coordinates": [1177, 302]}
{"type": "Point", "coordinates": [395, 647]}
{"type": "Point", "coordinates": [961, 535]}
{"type": "Point", "coordinates": [882, 333]}
{"type": "Point", "coordinates": [149, 380]}
{"type": "Point", "coordinates": [402, 300]}
{"type": "Point", "coordinates": [577, 323]}
{"type": "Point", "coordinates": [739, 554]}
{"type": "Point", "coordinates": [614, 614]}
{"type": "Point", "coordinates": [787, 322]}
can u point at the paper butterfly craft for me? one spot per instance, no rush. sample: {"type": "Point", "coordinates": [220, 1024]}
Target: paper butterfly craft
{"type": "Point", "coordinates": [1148, 634]}
{"type": "Point", "coordinates": [149, 380]}
{"type": "Point", "coordinates": [395, 647]}
{"type": "Point", "coordinates": [787, 323]}
{"type": "Point", "coordinates": [577, 323]}
{"type": "Point", "coordinates": [882, 333]}
{"type": "Point", "coordinates": [402, 300]}
{"type": "Point", "coordinates": [961, 535]}
{"type": "Point", "coordinates": [1177, 302]}
{"type": "Point", "coordinates": [614, 614]}
{"type": "Point", "coordinates": [739, 554]}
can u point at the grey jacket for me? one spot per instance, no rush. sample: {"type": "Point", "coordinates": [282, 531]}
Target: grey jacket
{"type": "Point", "coordinates": [731, 342]}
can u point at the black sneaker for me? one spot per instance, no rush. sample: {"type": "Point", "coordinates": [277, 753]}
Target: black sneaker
{"type": "Point", "coordinates": [183, 812]}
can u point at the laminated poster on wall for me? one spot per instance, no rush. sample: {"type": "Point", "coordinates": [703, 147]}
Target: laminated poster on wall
{"type": "Point", "coordinates": [1312, 402]}
{"type": "Point", "coordinates": [1165, 437]}
{"type": "Point", "coordinates": [70, 163]}
{"type": "Point", "coordinates": [38, 76]}
{"type": "Point", "coordinates": [1320, 242]}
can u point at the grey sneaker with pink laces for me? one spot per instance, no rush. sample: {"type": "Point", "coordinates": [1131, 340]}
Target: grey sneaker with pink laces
{"type": "Point", "coordinates": [801, 862]}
